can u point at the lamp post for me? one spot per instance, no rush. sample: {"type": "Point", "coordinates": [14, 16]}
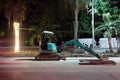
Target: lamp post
{"type": "Point", "coordinates": [92, 22]}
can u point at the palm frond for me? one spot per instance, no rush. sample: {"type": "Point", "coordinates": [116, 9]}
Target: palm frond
{"type": "Point", "coordinates": [115, 22]}
{"type": "Point", "coordinates": [78, 3]}
{"type": "Point", "coordinates": [107, 34]}
{"type": "Point", "coordinates": [100, 28]}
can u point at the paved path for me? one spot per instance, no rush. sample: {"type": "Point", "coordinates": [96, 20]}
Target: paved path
{"type": "Point", "coordinates": [25, 68]}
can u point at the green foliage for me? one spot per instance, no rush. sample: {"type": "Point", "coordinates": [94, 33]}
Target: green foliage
{"type": "Point", "coordinates": [110, 17]}
{"type": "Point", "coordinates": [105, 6]}
{"type": "Point", "coordinates": [84, 23]}
{"type": "Point", "coordinates": [108, 28]}
{"type": "Point", "coordinates": [111, 21]}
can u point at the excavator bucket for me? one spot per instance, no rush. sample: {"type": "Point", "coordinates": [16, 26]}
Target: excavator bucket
{"type": "Point", "coordinates": [103, 61]}
{"type": "Point", "coordinates": [96, 62]}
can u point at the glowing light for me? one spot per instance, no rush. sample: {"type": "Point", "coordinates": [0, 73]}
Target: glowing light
{"type": "Point", "coordinates": [16, 28]}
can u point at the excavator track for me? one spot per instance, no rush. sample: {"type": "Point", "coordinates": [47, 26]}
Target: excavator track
{"type": "Point", "coordinates": [44, 57]}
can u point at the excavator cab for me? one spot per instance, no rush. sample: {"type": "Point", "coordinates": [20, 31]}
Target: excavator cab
{"type": "Point", "coordinates": [48, 41]}
{"type": "Point", "coordinates": [48, 47]}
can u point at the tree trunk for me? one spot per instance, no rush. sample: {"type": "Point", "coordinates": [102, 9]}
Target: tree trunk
{"type": "Point", "coordinates": [76, 24]}
{"type": "Point", "coordinates": [110, 44]}
{"type": "Point", "coordinates": [9, 24]}
{"type": "Point", "coordinates": [75, 29]}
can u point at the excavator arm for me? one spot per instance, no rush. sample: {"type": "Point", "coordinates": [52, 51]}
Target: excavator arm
{"type": "Point", "coordinates": [77, 43]}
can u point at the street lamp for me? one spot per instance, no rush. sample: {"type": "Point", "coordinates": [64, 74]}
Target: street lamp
{"type": "Point", "coordinates": [93, 34]}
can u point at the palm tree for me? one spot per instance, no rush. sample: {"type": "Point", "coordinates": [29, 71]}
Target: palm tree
{"type": "Point", "coordinates": [110, 17]}
{"type": "Point", "coordinates": [14, 10]}
{"type": "Point", "coordinates": [19, 11]}
{"type": "Point", "coordinates": [108, 27]}
{"type": "Point", "coordinates": [6, 6]}
{"type": "Point", "coordinates": [77, 5]}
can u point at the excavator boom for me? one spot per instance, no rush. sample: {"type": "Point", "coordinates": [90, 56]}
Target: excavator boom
{"type": "Point", "coordinates": [76, 42]}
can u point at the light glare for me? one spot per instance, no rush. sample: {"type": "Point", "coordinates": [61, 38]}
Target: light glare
{"type": "Point", "coordinates": [16, 28]}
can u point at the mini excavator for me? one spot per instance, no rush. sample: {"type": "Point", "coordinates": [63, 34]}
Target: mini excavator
{"type": "Point", "coordinates": [49, 51]}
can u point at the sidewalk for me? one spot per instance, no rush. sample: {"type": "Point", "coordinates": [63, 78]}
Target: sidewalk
{"type": "Point", "coordinates": [103, 50]}
{"type": "Point", "coordinates": [68, 59]}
